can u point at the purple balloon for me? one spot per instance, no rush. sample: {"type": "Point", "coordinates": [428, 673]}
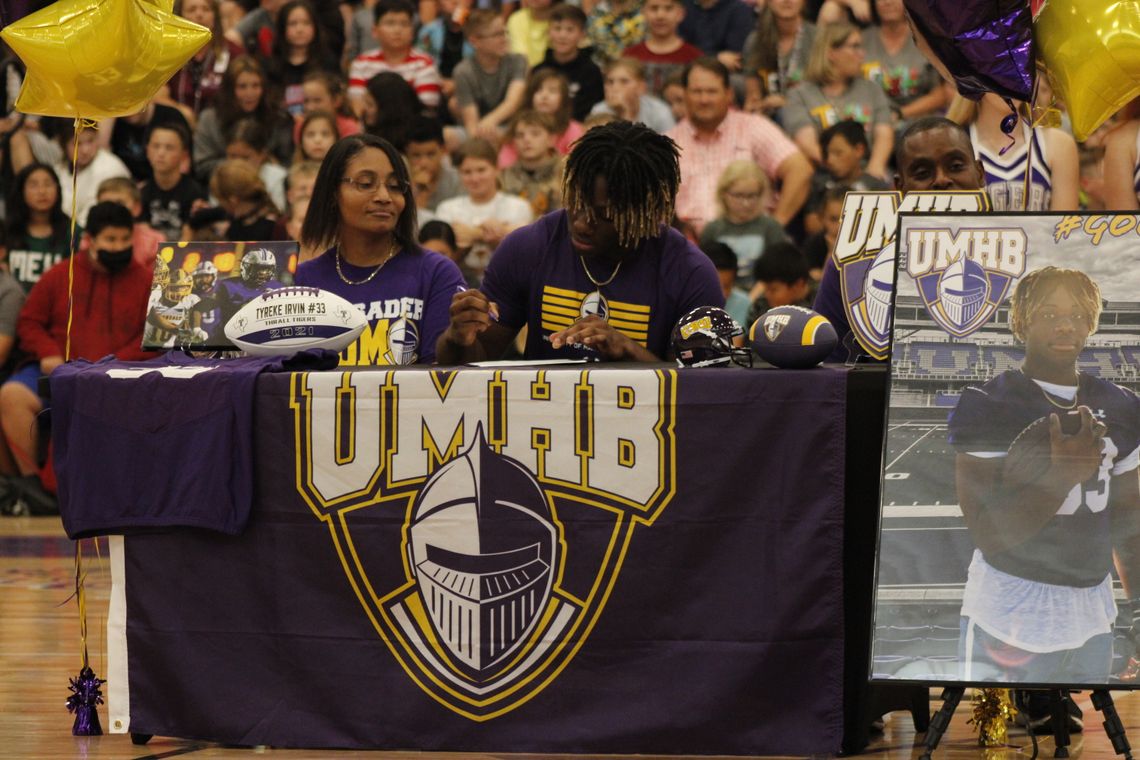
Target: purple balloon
{"type": "Point", "coordinates": [987, 45]}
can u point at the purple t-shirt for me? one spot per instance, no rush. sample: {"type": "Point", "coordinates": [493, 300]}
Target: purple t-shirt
{"type": "Point", "coordinates": [407, 304]}
{"type": "Point", "coordinates": [536, 278]}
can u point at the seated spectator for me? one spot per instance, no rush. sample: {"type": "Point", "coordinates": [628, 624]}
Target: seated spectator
{"type": "Point", "coordinates": [548, 92]}
{"type": "Point", "coordinates": [244, 94]}
{"type": "Point", "coordinates": [388, 107]}
{"type": "Point", "coordinates": [11, 299]}
{"type": "Point", "coordinates": [255, 30]}
{"type": "Point", "coordinates": [298, 49]}
{"type": "Point", "coordinates": [674, 94]}
{"type": "Point", "coordinates": [776, 55]}
{"type": "Point", "coordinates": [818, 247]}
{"type": "Point", "coordinates": [613, 26]}
{"type": "Point", "coordinates": [195, 84]}
{"type": "Point", "coordinates": [834, 90]}
{"type": "Point", "coordinates": [318, 133]}
{"type": "Point", "coordinates": [130, 134]}
{"type": "Point", "coordinates": [110, 290]}
{"type": "Point", "coordinates": [248, 142]}
{"type": "Point", "coordinates": [434, 178]}
{"type": "Point", "coordinates": [742, 225]}
{"type": "Point", "coordinates": [627, 99]}
{"type": "Point", "coordinates": [39, 232]}
{"type": "Point", "coordinates": [537, 175]}
{"type": "Point", "coordinates": [248, 207]}
{"type": "Point", "coordinates": [566, 56]}
{"type": "Point", "coordinates": [664, 52]}
{"type": "Point", "coordinates": [528, 30]}
{"type": "Point", "coordinates": [604, 278]}
{"type": "Point", "coordinates": [483, 216]}
{"type": "Point", "coordinates": [438, 236]}
{"type": "Point", "coordinates": [394, 31]}
{"type": "Point", "coordinates": [364, 217]}
{"type": "Point", "coordinates": [719, 28]}
{"type": "Point", "coordinates": [145, 239]}
{"type": "Point", "coordinates": [489, 86]}
{"type": "Point", "coordinates": [782, 279]}
{"type": "Point", "coordinates": [92, 165]}
{"type": "Point", "coordinates": [736, 301]}
{"type": "Point", "coordinates": [360, 38]}
{"type": "Point", "coordinates": [845, 150]}
{"type": "Point", "coordinates": [712, 136]}
{"type": "Point", "coordinates": [170, 195]}
{"type": "Point", "coordinates": [893, 60]}
{"type": "Point", "coordinates": [325, 91]}
{"type": "Point", "coordinates": [442, 39]}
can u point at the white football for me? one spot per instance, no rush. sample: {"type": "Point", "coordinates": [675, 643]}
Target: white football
{"type": "Point", "coordinates": [288, 320]}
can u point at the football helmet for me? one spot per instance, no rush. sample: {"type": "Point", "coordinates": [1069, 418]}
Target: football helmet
{"type": "Point", "coordinates": [258, 267]}
{"type": "Point", "coordinates": [205, 275]}
{"type": "Point", "coordinates": [704, 338]}
{"type": "Point", "coordinates": [161, 273]}
{"type": "Point", "coordinates": [178, 287]}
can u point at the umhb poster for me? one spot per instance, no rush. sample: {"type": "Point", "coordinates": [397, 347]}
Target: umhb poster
{"type": "Point", "coordinates": [1009, 550]}
{"type": "Point", "coordinates": [609, 561]}
{"type": "Point", "coordinates": [865, 254]}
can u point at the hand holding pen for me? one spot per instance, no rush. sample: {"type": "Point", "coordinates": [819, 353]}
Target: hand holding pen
{"type": "Point", "coordinates": [471, 313]}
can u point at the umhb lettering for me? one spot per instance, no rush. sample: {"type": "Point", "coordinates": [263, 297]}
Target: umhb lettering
{"type": "Point", "coordinates": [606, 432]}
{"type": "Point", "coordinates": [996, 250]}
{"type": "Point", "coordinates": [869, 218]}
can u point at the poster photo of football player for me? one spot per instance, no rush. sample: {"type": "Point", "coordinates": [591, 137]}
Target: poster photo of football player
{"type": "Point", "coordinates": [1009, 549]}
{"type": "Point", "coordinates": [199, 285]}
{"type": "Point", "coordinates": [1046, 466]}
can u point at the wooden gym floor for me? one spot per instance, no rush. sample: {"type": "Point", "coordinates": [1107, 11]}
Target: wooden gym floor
{"type": "Point", "coordinates": [40, 651]}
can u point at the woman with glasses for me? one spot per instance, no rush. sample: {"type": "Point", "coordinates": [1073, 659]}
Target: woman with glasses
{"type": "Point", "coordinates": [834, 90]}
{"type": "Point", "coordinates": [363, 215]}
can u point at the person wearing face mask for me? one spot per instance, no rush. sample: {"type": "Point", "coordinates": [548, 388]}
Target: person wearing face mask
{"type": "Point", "coordinates": [109, 293]}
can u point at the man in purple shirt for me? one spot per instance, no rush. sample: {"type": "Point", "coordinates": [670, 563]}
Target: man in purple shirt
{"type": "Point", "coordinates": [933, 154]}
{"type": "Point", "coordinates": [603, 279]}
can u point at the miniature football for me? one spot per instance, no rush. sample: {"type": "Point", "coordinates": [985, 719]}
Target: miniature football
{"type": "Point", "coordinates": [287, 320]}
{"type": "Point", "coordinates": [792, 337]}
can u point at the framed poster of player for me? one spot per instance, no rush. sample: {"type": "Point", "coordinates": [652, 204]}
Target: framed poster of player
{"type": "Point", "coordinates": [1009, 543]}
{"type": "Point", "coordinates": [198, 286]}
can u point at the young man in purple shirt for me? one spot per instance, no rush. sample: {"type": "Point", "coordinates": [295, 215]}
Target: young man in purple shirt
{"type": "Point", "coordinates": [606, 278]}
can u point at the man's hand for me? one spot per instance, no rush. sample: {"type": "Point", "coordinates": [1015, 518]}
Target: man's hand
{"type": "Point", "coordinates": [596, 333]}
{"type": "Point", "coordinates": [49, 363]}
{"type": "Point", "coordinates": [1076, 457]}
{"type": "Point", "coordinates": [733, 61]}
{"type": "Point", "coordinates": [471, 314]}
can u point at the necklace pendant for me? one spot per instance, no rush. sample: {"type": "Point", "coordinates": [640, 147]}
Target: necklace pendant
{"type": "Point", "coordinates": [595, 304]}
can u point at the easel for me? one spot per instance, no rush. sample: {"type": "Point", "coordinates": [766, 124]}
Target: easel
{"type": "Point", "coordinates": [1059, 715]}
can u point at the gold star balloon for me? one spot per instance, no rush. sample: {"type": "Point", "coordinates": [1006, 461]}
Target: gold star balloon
{"type": "Point", "coordinates": [99, 58]}
{"type": "Point", "coordinates": [1091, 49]}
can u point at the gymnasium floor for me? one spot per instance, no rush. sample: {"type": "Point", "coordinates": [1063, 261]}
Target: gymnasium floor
{"type": "Point", "coordinates": [40, 651]}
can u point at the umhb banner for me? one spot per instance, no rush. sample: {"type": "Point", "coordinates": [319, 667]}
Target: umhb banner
{"type": "Point", "coordinates": [533, 560]}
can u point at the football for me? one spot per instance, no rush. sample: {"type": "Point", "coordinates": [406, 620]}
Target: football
{"type": "Point", "coordinates": [792, 337]}
{"type": "Point", "coordinates": [287, 320]}
{"type": "Point", "coordinates": [1031, 453]}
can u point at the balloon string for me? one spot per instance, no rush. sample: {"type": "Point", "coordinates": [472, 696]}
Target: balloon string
{"type": "Point", "coordinates": [81, 597]}
{"type": "Point", "coordinates": [80, 125]}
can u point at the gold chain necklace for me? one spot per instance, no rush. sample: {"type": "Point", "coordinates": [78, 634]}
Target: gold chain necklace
{"type": "Point", "coordinates": [596, 283]}
{"type": "Point", "coordinates": [1052, 399]}
{"type": "Point", "coordinates": [346, 281]}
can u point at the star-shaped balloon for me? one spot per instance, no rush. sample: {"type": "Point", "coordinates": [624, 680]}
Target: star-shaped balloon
{"type": "Point", "coordinates": [1091, 49]}
{"type": "Point", "coordinates": [99, 58]}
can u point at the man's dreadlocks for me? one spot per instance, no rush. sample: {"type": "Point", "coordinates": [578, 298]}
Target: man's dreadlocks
{"type": "Point", "coordinates": [642, 175]}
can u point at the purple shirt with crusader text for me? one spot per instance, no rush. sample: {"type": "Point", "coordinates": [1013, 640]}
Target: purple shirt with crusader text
{"type": "Point", "coordinates": [407, 304]}
{"type": "Point", "coordinates": [536, 278]}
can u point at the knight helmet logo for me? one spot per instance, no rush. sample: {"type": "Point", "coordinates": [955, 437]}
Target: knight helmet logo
{"type": "Point", "coordinates": [403, 343]}
{"type": "Point", "coordinates": [595, 303]}
{"type": "Point", "coordinates": [774, 325]}
{"type": "Point", "coordinates": [484, 547]}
